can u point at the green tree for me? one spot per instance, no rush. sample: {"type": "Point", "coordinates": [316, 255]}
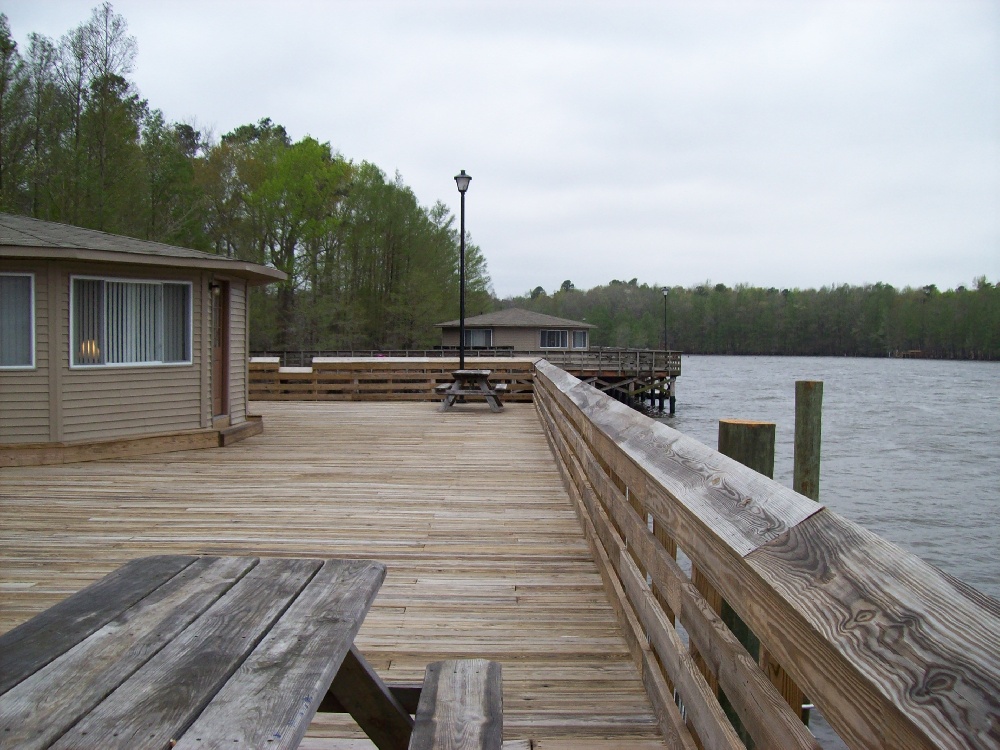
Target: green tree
{"type": "Point", "coordinates": [13, 121]}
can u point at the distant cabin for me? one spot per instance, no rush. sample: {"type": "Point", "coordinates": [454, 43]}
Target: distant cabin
{"type": "Point", "coordinates": [521, 330]}
{"type": "Point", "coordinates": [111, 345]}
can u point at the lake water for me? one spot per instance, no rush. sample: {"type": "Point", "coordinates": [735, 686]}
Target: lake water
{"type": "Point", "coordinates": [910, 450]}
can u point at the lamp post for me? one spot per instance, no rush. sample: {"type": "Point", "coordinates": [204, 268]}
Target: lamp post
{"type": "Point", "coordinates": [462, 180]}
{"type": "Point", "coordinates": [666, 291]}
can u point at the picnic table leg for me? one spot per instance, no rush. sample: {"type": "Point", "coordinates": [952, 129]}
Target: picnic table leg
{"type": "Point", "coordinates": [370, 702]}
{"type": "Point", "coordinates": [491, 396]}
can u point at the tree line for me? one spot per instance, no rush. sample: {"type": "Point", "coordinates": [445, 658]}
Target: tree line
{"type": "Point", "coordinates": [367, 265]}
{"type": "Point", "coordinates": [873, 320]}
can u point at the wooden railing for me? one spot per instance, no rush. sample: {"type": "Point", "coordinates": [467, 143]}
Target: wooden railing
{"type": "Point", "coordinates": [892, 651]}
{"type": "Point", "coordinates": [376, 379]}
{"type": "Point", "coordinates": [602, 359]}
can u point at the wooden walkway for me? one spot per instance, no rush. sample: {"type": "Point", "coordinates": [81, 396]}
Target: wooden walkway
{"type": "Point", "coordinates": [485, 555]}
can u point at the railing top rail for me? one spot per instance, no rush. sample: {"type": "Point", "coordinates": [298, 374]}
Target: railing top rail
{"type": "Point", "coordinates": [894, 652]}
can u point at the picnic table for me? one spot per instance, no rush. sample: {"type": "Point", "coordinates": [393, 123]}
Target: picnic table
{"type": "Point", "coordinates": [472, 383]}
{"type": "Point", "coordinates": [180, 651]}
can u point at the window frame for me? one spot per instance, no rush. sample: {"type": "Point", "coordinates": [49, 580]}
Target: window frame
{"type": "Point", "coordinates": [189, 334]}
{"type": "Point", "coordinates": [563, 335]}
{"type": "Point", "coordinates": [468, 336]}
{"type": "Point", "coordinates": [34, 327]}
{"type": "Point", "coordinates": [579, 332]}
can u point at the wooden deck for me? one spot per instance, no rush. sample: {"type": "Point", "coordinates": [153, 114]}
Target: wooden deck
{"type": "Point", "coordinates": [466, 508]}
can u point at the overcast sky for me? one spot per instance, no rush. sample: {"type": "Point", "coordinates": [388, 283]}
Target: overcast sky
{"type": "Point", "coordinates": [786, 144]}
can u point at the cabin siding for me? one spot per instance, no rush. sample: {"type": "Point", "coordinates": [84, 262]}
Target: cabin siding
{"type": "Point", "coordinates": [522, 339]}
{"type": "Point", "coordinates": [116, 402]}
{"type": "Point", "coordinates": [126, 401]}
{"type": "Point", "coordinates": [24, 394]}
{"type": "Point", "coordinates": [238, 351]}
{"type": "Point", "coordinates": [105, 402]}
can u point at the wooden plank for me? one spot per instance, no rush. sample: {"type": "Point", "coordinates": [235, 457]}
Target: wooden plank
{"type": "Point", "coordinates": [137, 714]}
{"type": "Point", "coordinates": [605, 543]}
{"type": "Point", "coordinates": [28, 647]}
{"type": "Point", "coordinates": [703, 710]}
{"type": "Point", "coordinates": [369, 701]}
{"type": "Point", "coordinates": [461, 707]}
{"type": "Point", "coordinates": [900, 656]}
{"type": "Point", "coordinates": [742, 512]}
{"type": "Point", "coordinates": [754, 699]}
{"type": "Point", "coordinates": [41, 708]}
{"type": "Point", "coordinates": [483, 561]}
{"type": "Point", "coordinates": [275, 692]}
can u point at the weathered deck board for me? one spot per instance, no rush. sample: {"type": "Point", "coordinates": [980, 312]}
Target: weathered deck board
{"type": "Point", "coordinates": [485, 555]}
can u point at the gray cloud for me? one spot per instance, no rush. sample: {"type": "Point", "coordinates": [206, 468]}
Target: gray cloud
{"type": "Point", "coordinates": [775, 143]}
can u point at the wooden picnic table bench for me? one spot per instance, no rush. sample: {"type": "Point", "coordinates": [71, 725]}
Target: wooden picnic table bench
{"type": "Point", "coordinates": [179, 651]}
{"type": "Point", "coordinates": [474, 383]}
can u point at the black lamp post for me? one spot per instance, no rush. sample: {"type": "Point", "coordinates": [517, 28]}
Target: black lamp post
{"type": "Point", "coordinates": [666, 291]}
{"type": "Point", "coordinates": [462, 180]}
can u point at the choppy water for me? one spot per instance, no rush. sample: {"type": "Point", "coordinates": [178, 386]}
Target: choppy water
{"type": "Point", "coordinates": [911, 448]}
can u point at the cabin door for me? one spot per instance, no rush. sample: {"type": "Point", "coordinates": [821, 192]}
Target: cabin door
{"type": "Point", "coordinates": [220, 349]}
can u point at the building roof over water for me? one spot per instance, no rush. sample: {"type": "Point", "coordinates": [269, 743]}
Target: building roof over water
{"type": "Point", "coordinates": [24, 237]}
{"type": "Point", "coordinates": [514, 317]}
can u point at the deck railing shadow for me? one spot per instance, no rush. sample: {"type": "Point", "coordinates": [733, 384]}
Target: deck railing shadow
{"type": "Point", "coordinates": [894, 652]}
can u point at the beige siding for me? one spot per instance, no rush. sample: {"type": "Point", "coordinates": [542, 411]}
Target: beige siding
{"type": "Point", "coordinates": [115, 402]}
{"type": "Point", "coordinates": [522, 339]}
{"type": "Point", "coordinates": [24, 394]}
{"type": "Point", "coordinates": [238, 354]}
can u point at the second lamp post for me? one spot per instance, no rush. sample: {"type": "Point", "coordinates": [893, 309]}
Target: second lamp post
{"type": "Point", "coordinates": [462, 180]}
{"type": "Point", "coordinates": [666, 291]}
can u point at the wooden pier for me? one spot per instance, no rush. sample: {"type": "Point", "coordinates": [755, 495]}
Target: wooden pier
{"type": "Point", "coordinates": [483, 560]}
{"type": "Point", "coordinates": [597, 554]}
{"type": "Point", "coordinates": [645, 379]}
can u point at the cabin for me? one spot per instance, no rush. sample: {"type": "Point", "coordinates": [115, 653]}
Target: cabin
{"type": "Point", "coordinates": [117, 346]}
{"type": "Point", "coordinates": [520, 330]}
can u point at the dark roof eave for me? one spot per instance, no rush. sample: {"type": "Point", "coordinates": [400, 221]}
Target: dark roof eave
{"type": "Point", "coordinates": [255, 274]}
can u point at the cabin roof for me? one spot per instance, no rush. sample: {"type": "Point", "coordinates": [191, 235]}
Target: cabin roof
{"type": "Point", "coordinates": [514, 317]}
{"type": "Point", "coordinates": [24, 237]}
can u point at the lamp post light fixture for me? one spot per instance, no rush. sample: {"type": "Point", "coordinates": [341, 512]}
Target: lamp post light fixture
{"type": "Point", "coordinates": [462, 180]}
{"type": "Point", "coordinates": [666, 291]}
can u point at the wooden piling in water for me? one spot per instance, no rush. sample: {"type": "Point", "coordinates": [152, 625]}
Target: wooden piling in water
{"type": "Point", "coordinates": [752, 444]}
{"type": "Point", "coordinates": [808, 431]}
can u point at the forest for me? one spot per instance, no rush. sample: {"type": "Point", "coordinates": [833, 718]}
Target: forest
{"type": "Point", "coordinates": [875, 320]}
{"type": "Point", "coordinates": [368, 266]}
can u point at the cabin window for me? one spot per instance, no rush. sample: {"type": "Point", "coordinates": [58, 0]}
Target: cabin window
{"type": "Point", "coordinates": [553, 339]}
{"type": "Point", "coordinates": [121, 322]}
{"type": "Point", "coordinates": [479, 337]}
{"type": "Point", "coordinates": [17, 321]}
{"type": "Point", "coordinates": [579, 339]}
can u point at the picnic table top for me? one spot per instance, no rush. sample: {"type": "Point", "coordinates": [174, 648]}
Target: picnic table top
{"type": "Point", "coordinates": [184, 651]}
{"type": "Point", "coordinates": [472, 373]}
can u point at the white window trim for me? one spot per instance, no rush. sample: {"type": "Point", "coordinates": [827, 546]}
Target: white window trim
{"type": "Point", "coordinates": [34, 330]}
{"type": "Point", "coordinates": [553, 330]}
{"type": "Point", "coordinates": [132, 365]}
{"type": "Point", "coordinates": [572, 339]}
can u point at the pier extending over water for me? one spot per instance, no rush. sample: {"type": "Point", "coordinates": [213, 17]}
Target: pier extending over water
{"type": "Point", "coordinates": [575, 586]}
{"type": "Point", "coordinates": [485, 554]}
{"type": "Point", "coordinates": [643, 378]}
